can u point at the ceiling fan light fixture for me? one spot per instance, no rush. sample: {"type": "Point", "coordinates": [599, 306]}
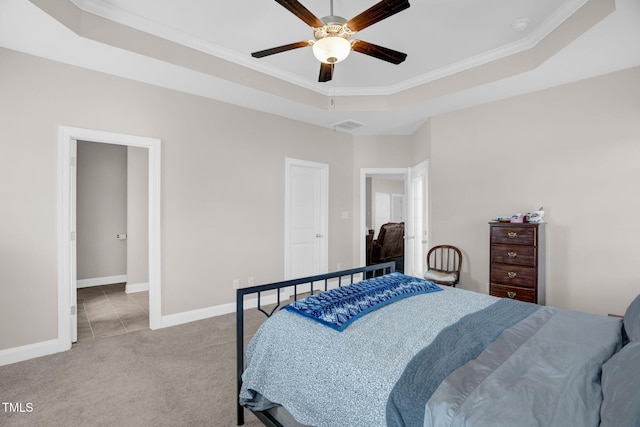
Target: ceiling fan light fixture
{"type": "Point", "coordinates": [331, 49]}
{"type": "Point", "coordinates": [332, 34]}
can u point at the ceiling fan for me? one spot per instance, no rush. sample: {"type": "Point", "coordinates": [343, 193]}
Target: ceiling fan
{"type": "Point", "coordinates": [332, 34]}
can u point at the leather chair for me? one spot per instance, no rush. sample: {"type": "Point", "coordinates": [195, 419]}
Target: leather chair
{"type": "Point", "coordinates": [389, 246]}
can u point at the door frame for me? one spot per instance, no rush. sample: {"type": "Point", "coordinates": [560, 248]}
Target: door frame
{"type": "Point", "coordinates": [324, 195]}
{"type": "Point", "coordinates": [66, 208]}
{"type": "Point", "coordinates": [362, 229]}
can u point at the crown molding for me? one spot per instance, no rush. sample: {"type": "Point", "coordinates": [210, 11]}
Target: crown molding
{"type": "Point", "coordinates": [107, 11]}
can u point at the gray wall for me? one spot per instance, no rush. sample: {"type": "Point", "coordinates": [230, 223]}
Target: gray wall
{"type": "Point", "coordinates": [137, 216]}
{"type": "Point", "coordinates": [101, 210]}
{"type": "Point", "coordinates": [573, 149]}
{"type": "Point", "coordinates": [222, 187]}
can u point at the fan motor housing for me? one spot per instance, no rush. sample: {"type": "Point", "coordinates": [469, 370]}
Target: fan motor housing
{"type": "Point", "coordinates": [334, 26]}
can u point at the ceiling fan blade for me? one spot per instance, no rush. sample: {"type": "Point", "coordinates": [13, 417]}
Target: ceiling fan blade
{"type": "Point", "coordinates": [326, 72]}
{"type": "Point", "coordinates": [379, 52]}
{"type": "Point", "coordinates": [377, 13]}
{"type": "Point", "coordinates": [301, 12]}
{"type": "Point", "coordinates": [284, 48]}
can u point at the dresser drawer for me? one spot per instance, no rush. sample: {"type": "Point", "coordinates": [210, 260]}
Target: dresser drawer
{"type": "Point", "coordinates": [514, 254]}
{"type": "Point", "coordinates": [513, 235]}
{"type": "Point", "coordinates": [516, 275]}
{"type": "Point", "coordinates": [513, 292]}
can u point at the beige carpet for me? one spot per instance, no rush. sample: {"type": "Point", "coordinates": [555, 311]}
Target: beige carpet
{"type": "Point", "coordinates": [178, 376]}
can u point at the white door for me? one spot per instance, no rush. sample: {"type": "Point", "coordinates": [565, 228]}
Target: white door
{"type": "Point", "coordinates": [417, 227]}
{"type": "Point", "coordinates": [73, 151]}
{"type": "Point", "coordinates": [306, 218]}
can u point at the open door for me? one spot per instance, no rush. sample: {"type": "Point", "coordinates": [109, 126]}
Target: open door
{"type": "Point", "coordinates": [73, 167]}
{"type": "Point", "coordinates": [417, 232]}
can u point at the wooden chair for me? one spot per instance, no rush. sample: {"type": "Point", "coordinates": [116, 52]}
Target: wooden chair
{"type": "Point", "coordinates": [443, 265]}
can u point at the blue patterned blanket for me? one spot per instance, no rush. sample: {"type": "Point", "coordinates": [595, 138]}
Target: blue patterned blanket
{"type": "Point", "coordinates": [338, 308]}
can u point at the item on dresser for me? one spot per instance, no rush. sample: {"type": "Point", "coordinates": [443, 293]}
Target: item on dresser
{"type": "Point", "coordinates": [536, 217]}
{"type": "Point", "coordinates": [518, 218]}
{"type": "Point", "coordinates": [517, 261]}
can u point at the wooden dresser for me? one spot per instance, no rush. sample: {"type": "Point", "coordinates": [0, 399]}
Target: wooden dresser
{"type": "Point", "coordinates": [517, 261]}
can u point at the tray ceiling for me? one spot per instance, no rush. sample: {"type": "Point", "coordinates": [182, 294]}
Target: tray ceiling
{"type": "Point", "coordinates": [460, 52]}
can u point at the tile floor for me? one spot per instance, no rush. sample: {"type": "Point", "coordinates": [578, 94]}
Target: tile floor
{"type": "Point", "coordinates": [106, 310]}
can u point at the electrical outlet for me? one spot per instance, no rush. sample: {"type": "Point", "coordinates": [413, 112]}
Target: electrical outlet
{"type": "Point", "coordinates": [236, 283]}
{"type": "Point", "coordinates": [250, 281]}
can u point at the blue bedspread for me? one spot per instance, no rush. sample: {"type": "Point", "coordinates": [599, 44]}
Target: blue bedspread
{"type": "Point", "coordinates": [542, 369]}
{"type": "Point", "coordinates": [452, 348]}
{"type": "Point", "coordinates": [326, 378]}
{"type": "Point", "coordinates": [338, 308]}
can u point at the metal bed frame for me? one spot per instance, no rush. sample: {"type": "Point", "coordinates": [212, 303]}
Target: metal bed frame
{"type": "Point", "coordinates": [365, 272]}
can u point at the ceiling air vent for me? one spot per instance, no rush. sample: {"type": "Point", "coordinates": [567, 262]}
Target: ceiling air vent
{"type": "Point", "coordinates": [347, 125]}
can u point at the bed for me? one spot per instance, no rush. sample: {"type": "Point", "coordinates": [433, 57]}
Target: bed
{"type": "Point", "coordinates": [400, 351]}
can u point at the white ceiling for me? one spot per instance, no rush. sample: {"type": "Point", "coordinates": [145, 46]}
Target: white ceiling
{"type": "Point", "coordinates": [442, 38]}
{"type": "Point", "coordinates": [474, 31]}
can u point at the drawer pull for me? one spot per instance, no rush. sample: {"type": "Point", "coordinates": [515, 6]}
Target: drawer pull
{"type": "Point", "coordinates": [511, 294]}
{"type": "Point", "coordinates": [512, 274]}
{"type": "Point", "coordinates": [512, 254]}
{"type": "Point", "coordinates": [512, 234]}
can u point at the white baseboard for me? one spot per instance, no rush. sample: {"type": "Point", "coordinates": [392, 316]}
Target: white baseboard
{"type": "Point", "coordinates": [219, 310]}
{"type": "Point", "coordinates": [193, 315]}
{"type": "Point", "coordinates": [19, 354]}
{"type": "Point", "coordinates": [31, 351]}
{"type": "Point", "coordinates": [136, 287]}
{"type": "Point", "coordinates": [216, 310]}
{"type": "Point", "coordinates": [97, 281]}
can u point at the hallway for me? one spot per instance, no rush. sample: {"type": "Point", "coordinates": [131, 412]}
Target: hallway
{"type": "Point", "coordinates": [106, 310]}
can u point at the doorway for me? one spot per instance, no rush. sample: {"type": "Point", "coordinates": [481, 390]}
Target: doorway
{"type": "Point", "coordinates": [414, 212]}
{"type": "Point", "coordinates": [382, 200]}
{"type": "Point", "coordinates": [67, 251]}
{"type": "Point", "coordinates": [112, 266]}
